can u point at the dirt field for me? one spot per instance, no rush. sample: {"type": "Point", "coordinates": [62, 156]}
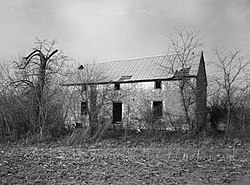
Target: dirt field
{"type": "Point", "coordinates": [112, 163]}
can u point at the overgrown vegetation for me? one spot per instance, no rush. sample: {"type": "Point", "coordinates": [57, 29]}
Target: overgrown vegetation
{"type": "Point", "coordinates": [90, 105]}
{"type": "Point", "coordinates": [35, 109]}
{"type": "Point", "coordinates": [184, 52]}
{"type": "Point", "coordinates": [32, 98]}
{"type": "Point", "coordinates": [232, 81]}
{"type": "Point", "coordinates": [45, 110]}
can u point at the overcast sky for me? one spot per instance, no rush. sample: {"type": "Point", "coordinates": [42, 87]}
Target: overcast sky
{"type": "Point", "coordinates": [119, 29]}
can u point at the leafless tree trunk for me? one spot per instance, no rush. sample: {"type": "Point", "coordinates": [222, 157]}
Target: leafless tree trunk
{"type": "Point", "coordinates": [232, 77]}
{"type": "Point", "coordinates": [183, 52]}
{"type": "Point", "coordinates": [96, 98]}
{"type": "Point", "coordinates": [34, 81]}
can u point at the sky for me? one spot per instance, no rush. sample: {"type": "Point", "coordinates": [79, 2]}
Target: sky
{"type": "Point", "coordinates": [120, 29]}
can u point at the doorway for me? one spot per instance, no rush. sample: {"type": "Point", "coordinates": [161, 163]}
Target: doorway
{"type": "Point", "coordinates": [157, 109]}
{"type": "Point", "coordinates": [117, 112]}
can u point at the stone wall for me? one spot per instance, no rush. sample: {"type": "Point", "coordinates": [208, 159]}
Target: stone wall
{"type": "Point", "coordinates": [137, 101]}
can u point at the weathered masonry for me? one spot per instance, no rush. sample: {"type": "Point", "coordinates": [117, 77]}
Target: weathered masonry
{"type": "Point", "coordinates": [134, 91]}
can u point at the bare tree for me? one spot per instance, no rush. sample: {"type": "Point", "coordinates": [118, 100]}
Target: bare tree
{"type": "Point", "coordinates": [35, 81]}
{"type": "Point", "coordinates": [5, 124]}
{"type": "Point", "coordinates": [183, 51]}
{"type": "Point", "coordinates": [232, 78]}
{"type": "Point", "coordinates": [96, 103]}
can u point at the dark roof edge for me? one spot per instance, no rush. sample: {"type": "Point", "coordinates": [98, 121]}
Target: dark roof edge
{"type": "Point", "coordinates": [129, 81]}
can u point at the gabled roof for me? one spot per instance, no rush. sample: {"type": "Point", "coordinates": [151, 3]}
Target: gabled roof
{"type": "Point", "coordinates": [135, 70]}
{"type": "Point", "coordinates": [149, 68]}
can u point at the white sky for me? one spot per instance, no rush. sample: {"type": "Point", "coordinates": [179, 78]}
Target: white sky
{"type": "Point", "coordinates": [119, 29]}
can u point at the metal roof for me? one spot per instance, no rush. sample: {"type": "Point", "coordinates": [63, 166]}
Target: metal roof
{"type": "Point", "coordinates": [149, 68]}
{"type": "Point", "coordinates": [134, 70]}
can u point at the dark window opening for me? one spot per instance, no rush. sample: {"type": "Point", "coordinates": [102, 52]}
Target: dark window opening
{"type": "Point", "coordinates": [117, 86]}
{"type": "Point", "coordinates": [78, 125]}
{"type": "Point", "coordinates": [157, 109]}
{"type": "Point", "coordinates": [84, 87]}
{"type": "Point", "coordinates": [117, 112]}
{"type": "Point", "coordinates": [158, 84]}
{"type": "Point", "coordinates": [84, 108]}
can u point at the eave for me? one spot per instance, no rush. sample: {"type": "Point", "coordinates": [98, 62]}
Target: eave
{"type": "Point", "coordinates": [129, 81]}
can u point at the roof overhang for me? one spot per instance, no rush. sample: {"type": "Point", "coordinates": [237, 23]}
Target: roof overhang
{"type": "Point", "coordinates": [129, 81]}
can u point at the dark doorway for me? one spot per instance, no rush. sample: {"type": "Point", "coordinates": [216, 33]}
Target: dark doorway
{"type": "Point", "coordinates": [84, 108]}
{"type": "Point", "coordinates": [117, 112]}
{"type": "Point", "coordinates": [157, 109]}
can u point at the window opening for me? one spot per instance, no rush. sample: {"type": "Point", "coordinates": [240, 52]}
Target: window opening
{"type": "Point", "coordinates": [158, 84]}
{"type": "Point", "coordinates": [117, 86]}
{"type": "Point", "coordinates": [84, 108]}
{"type": "Point", "coordinates": [84, 87]}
